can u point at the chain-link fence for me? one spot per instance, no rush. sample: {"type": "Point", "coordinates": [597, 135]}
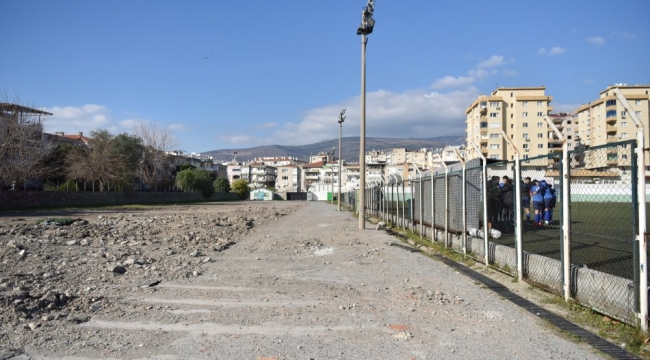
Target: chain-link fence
{"type": "Point", "coordinates": [603, 197]}
{"type": "Point", "coordinates": [447, 205]}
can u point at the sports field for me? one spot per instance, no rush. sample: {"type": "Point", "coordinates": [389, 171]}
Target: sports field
{"type": "Point", "coordinates": [602, 237]}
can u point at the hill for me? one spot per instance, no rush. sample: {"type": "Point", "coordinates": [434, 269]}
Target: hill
{"type": "Point", "coordinates": [350, 148]}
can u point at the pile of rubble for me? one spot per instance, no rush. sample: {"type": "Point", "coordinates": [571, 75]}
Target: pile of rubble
{"type": "Point", "coordinates": [57, 270]}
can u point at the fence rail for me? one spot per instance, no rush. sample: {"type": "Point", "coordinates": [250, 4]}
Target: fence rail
{"type": "Point", "coordinates": [599, 211]}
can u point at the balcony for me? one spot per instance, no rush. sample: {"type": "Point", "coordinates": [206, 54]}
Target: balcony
{"type": "Point", "coordinates": [611, 129]}
{"type": "Point", "coordinates": [612, 139]}
{"type": "Point", "coordinates": [311, 177]}
{"type": "Point", "coordinates": [612, 161]}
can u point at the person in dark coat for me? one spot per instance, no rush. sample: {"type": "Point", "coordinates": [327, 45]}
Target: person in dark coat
{"type": "Point", "coordinates": [508, 200]}
{"type": "Point", "coordinates": [493, 201]}
{"type": "Point", "coordinates": [525, 197]}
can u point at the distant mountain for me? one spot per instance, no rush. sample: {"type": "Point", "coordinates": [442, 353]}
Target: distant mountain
{"type": "Point", "coordinates": [350, 148]}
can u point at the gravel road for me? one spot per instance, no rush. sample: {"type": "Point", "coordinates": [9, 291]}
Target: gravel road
{"type": "Point", "coordinates": [283, 280]}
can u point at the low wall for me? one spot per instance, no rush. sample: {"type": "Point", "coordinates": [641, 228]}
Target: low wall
{"type": "Point", "coordinates": [608, 294]}
{"type": "Point", "coordinates": [14, 200]}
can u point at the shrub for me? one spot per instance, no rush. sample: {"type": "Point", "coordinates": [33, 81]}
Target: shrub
{"type": "Point", "coordinates": [240, 186]}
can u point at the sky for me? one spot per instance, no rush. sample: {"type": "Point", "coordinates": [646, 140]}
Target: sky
{"type": "Point", "coordinates": [235, 74]}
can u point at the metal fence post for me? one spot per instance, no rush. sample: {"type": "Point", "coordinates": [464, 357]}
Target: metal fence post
{"type": "Point", "coordinates": [641, 236]}
{"type": "Point", "coordinates": [518, 239]}
{"type": "Point", "coordinates": [485, 216]}
{"type": "Point", "coordinates": [566, 220]}
{"type": "Point", "coordinates": [463, 238]}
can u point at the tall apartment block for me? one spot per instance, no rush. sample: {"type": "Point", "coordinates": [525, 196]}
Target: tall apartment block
{"type": "Point", "coordinates": [519, 112]}
{"type": "Point", "coordinates": [605, 120]}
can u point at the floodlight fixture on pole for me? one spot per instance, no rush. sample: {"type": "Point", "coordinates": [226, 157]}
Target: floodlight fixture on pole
{"type": "Point", "coordinates": [341, 120]}
{"type": "Point", "coordinates": [365, 29]}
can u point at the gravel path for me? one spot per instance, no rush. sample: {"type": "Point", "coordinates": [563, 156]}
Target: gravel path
{"type": "Point", "coordinates": [309, 285]}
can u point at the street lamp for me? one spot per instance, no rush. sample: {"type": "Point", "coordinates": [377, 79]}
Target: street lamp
{"type": "Point", "coordinates": [365, 29]}
{"type": "Point", "coordinates": [341, 120]}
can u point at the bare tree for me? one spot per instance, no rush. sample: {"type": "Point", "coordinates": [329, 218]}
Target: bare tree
{"type": "Point", "coordinates": [21, 148]}
{"type": "Point", "coordinates": [155, 167]}
{"type": "Point", "coordinates": [107, 160]}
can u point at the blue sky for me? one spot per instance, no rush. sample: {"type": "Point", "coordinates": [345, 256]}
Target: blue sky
{"type": "Point", "coordinates": [235, 74]}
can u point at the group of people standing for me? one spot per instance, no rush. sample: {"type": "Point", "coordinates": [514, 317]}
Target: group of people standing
{"type": "Point", "coordinates": [501, 201]}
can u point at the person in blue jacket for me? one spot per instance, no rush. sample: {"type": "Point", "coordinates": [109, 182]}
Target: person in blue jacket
{"type": "Point", "coordinates": [537, 195]}
{"type": "Point", "coordinates": [549, 203]}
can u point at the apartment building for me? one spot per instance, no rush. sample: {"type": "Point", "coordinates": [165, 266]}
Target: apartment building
{"type": "Point", "coordinates": [258, 175]}
{"type": "Point", "coordinates": [605, 120]}
{"type": "Point", "coordinates": [567, 124]}
{"type": "Point", "coordinates": [519, 112]}
{"type": "Point", "coordinates": [288, 179]}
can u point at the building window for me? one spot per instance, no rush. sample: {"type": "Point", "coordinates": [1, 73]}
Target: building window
{"type": "Point", "coordinates": [495, 157]}
{"type": "Point", "coordinates": [525, 135]}
{"type": "Point", "coordinates": [525, 156]}
{"type": "Point", "coordinates": [494, 115]}
{"type": "Point", "coordinates": [540, 124]}
{"type": "Point", "coordinates": [638, 102]}
{"type": "Point", "coordinates": [525, 114]}
{"type": "Point", "coordinates": [568, 122]}
{"type": "Point", "coordinates": [483, 124]}
{"type": "Point", "coordinates": [540, 135]}
{"type": "Point", "coordinates": [494, 146]}
{"type": "Point", "coordinates": [525, 146]}
{"type": "Point", "coordinates": [540, 114]}
{"type": "Point", "coordinates": [524, 103]}
{"type": "Point", "coordinates": [540, 103]}
{"type": "Point", "coordinates": [285, 178]}
{"type": "Point", "coordinates": [540, 146]}
{"type": "Point", "coordinates": [494, 136]}
{"type": "Point", "coordinates": [610, 103]}
{"type": "Point", "coordinates": [285, 170]}
{"type": "Point", "coordinates": [623, 135]}
{"type": "Point", "coordinates": [511, 94]}
{"type": "Point", "coordinates": [494, 104]}
{"type": "Point", "coordinates": [495, 125]}
{"type": "Point", "coordinates": [638, 113]}
{"type": "Point", "coordinates": [568, 137]}
{"type": "Point", "coordinates": [524, 125]}
{"type": "Point", "coordinates": [610, 113]}
{"type": "Point", "coordinates": [623, 123]}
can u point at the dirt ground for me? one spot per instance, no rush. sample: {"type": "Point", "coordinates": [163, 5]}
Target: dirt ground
{"type": "Point", "coordinates": [247, 280]}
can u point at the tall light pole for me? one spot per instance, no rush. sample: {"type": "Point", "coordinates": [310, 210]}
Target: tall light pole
{"type": "Point", "coordinates": [365, 29]}
{"type": "Point", "coordinates": [341, 120]}
{"type": "Point", "coordinates": [332, 174]}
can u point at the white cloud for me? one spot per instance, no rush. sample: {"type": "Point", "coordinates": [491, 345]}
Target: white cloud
{"type": "Point", "coordinates": [450, 81]}
{"type": "Point", "coordinates": [268, 125]}
{"type": "Point", "coordinates": [623, 34]}
{"type": "Point", "coordinates": [479, 73]}
{"type": "Point", "coordinates": [509, 73]}
{"type": "Point", "coordinates": [596, 40]}
{"type": "Point", "coordinates": [493, 61]}
{"type": "Point", "coordinates": [556, 51]}
{"type": "Point", "coordinates": [541, 51]}
{"type": "Point", "coordinates": [75, 119]}
{"type": "Point", "coordinates": [420, 113]}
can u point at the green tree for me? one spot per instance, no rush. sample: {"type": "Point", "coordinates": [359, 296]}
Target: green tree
{"type": "Point", "coordinates": [221, 185]}
{"type": "Point", "coordinates": [195, 179]}
{"type": "Point", "coordinates": [109, 160]}
{"type": "Point", "coordinates": [240, 186]}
